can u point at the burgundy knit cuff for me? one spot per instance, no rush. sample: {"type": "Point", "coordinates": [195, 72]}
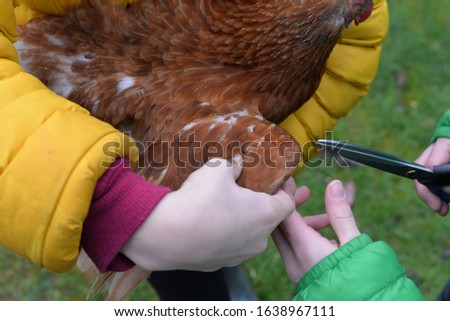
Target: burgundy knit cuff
{"type": "Point", "coordinates": [122, 201]}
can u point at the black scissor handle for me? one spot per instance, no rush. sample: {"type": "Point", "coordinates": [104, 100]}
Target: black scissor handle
{"type": "Point", "coordinates": [443, 172]}
{"type": "Point", "coordinates": [439, 192]}
{"type": "Point", "coordinates": [439, 180]}
{"type": "Point", "coordinates": [440, 177]}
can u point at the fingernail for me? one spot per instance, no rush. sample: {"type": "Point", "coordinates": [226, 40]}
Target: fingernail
{"type": "Point", "coordinates": [337, 190]}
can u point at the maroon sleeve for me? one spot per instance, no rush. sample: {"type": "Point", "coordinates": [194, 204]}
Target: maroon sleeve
{"type": "Point", "coordinates": [122, 201]}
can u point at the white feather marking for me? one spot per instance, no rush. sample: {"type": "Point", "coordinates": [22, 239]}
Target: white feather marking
{"type": "Point", "coordinates": [22, 47]}
{"type": "Point", "coordinates": [94, 107]}
{"type": "Point", "coordinates": [60, 83]}
{"type": "Point", "coordinates": [81, 57]}
{"type": "Point", "coordinates": [125, 83]}
{"type": "Point", "coordinates": [251, 129]}
{"type": "Point", "coordinates": [229, 119]}
{"type": "Point", "coordinates": [162, 175]}
{"type": "Point", "coordinates": [189, 126]}
{"type": "Point", "coordinates": [225, 119]}
{"type": "Point", "coordinates": [64, 87]}
{"type": "Point", "coordinates": [55, 41]}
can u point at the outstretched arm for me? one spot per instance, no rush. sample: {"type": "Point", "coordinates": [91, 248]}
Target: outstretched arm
{"type": "Point", "coordinates": [351, 268]}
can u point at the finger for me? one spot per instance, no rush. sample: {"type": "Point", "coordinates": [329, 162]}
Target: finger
{"type": "Point", "coordinates": [441, 208]}
{"type": "Point", "coordinates": [433, 201]}
{"type": "Point", "coordinates": [284, 247]}
{"type": "Point", "coordinates": [422, 159]}
{"type": "Point", "coordinates": [301, 195]}
{"type": "Point", "coordinates": [440, 153]}
{"type": "Point", "coordinates": [429, 198]}
{"type": "Point", "coordinates": [350, 191]}
{"type": "Point", "coordinates": [289, 186]}
{"type": "Point", "coordinates": [215, 168]}
{"type": "Point", "coordinates": [293, 267]}
{"type": "Point", "coordinates": [296, 230]}
{"type": "Point", "coordinates": [282, 204]}
{"type": "Point", "coordinates": [444, 209]}
{"type": "Point", "coordinates": [334, 242]}
{"type": "Point", "coordinates": [229, 169]}
{"type": "Point", "coordinates": [317, 222]}
{"type": "Point", "coordinates": [340, 212]}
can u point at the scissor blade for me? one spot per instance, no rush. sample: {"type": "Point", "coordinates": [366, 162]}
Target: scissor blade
{"type": "Point", "coordinates": [377, 159]}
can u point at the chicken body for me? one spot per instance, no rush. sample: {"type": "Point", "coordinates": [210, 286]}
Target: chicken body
{"type": "Point", "coordinates": [192, 79]}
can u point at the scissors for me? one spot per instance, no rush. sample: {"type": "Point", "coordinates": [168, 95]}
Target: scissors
{"type": "Point", "coordinates": [434, 178]}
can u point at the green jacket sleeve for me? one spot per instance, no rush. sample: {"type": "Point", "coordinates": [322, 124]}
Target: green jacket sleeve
{"type": "Point", "coordinates": [443, 127]}
{"type": "Point", "coordinates": [359, 270]}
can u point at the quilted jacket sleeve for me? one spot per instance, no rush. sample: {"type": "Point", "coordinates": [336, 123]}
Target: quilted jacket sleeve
{"type": "Point", "coordinates": [53, 153]}
{"type": "Point", "coordinates": [350, 70]}
{"type": "Point", "coordinates": [443, 127]}
{"type": "Point", "coordinates": [359, 270]}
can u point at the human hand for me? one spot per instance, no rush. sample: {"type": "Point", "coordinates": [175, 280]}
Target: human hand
{"type": "Point", "coordinates": [297, 239]}
{"type": "Point", "coordinates": [209, 223]}
{"type": "Point", "coordinates": [437, 153]}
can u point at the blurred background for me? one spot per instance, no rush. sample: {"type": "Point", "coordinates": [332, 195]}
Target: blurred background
{"type": "Point", "coordinates": [410, 93]}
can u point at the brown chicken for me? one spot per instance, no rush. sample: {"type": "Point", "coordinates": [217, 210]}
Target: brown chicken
{"type": "Point", "coordinates": [193, 79]}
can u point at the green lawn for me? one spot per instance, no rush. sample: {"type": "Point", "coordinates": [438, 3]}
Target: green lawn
{"type": "Point", "coordinates": [411, 92]}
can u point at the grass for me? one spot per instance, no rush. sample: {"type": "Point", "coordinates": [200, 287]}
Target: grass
{"type": "Point", "coordinates": [397, 117]}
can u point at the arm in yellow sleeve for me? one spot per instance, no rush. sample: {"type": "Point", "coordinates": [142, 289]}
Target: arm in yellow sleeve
{"type": "Point", "coordinates": [52, 154]}
{"type": "Point", "coordinates": [350, 70]}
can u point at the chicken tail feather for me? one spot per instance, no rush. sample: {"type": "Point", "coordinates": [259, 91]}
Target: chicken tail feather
{"type": "Point", "coordinates": [98, 284]}
{"type": "Point", "coordinates": [124, 282]}
{"type": "Point", "coordinates": [121, 282]}
{"type": "Point", "coordinates": [88, 268]}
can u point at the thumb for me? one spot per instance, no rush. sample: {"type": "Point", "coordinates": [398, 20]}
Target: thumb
{"type": "Point", "coordinates": [440, 153]}
{"type": "Point", "coordinates": [231, 169]}
{"type": "Point", "coordinates": [340, 212]}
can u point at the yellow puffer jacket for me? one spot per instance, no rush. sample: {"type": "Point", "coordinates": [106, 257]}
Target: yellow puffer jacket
{"type": "Point", "coordinates": [51, 156]}
{"type": "Point", "coordinates": [53, 151]}
{"type": "Point", "coordinates": [351, 68]}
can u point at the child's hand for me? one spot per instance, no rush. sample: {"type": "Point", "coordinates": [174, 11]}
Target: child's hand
{"type": "Point", "coordinates": [209, 223]}
{"type": "Point", "coordinates": [437, 153]}
{"type": "Point", "coordinates": [297, 239]}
